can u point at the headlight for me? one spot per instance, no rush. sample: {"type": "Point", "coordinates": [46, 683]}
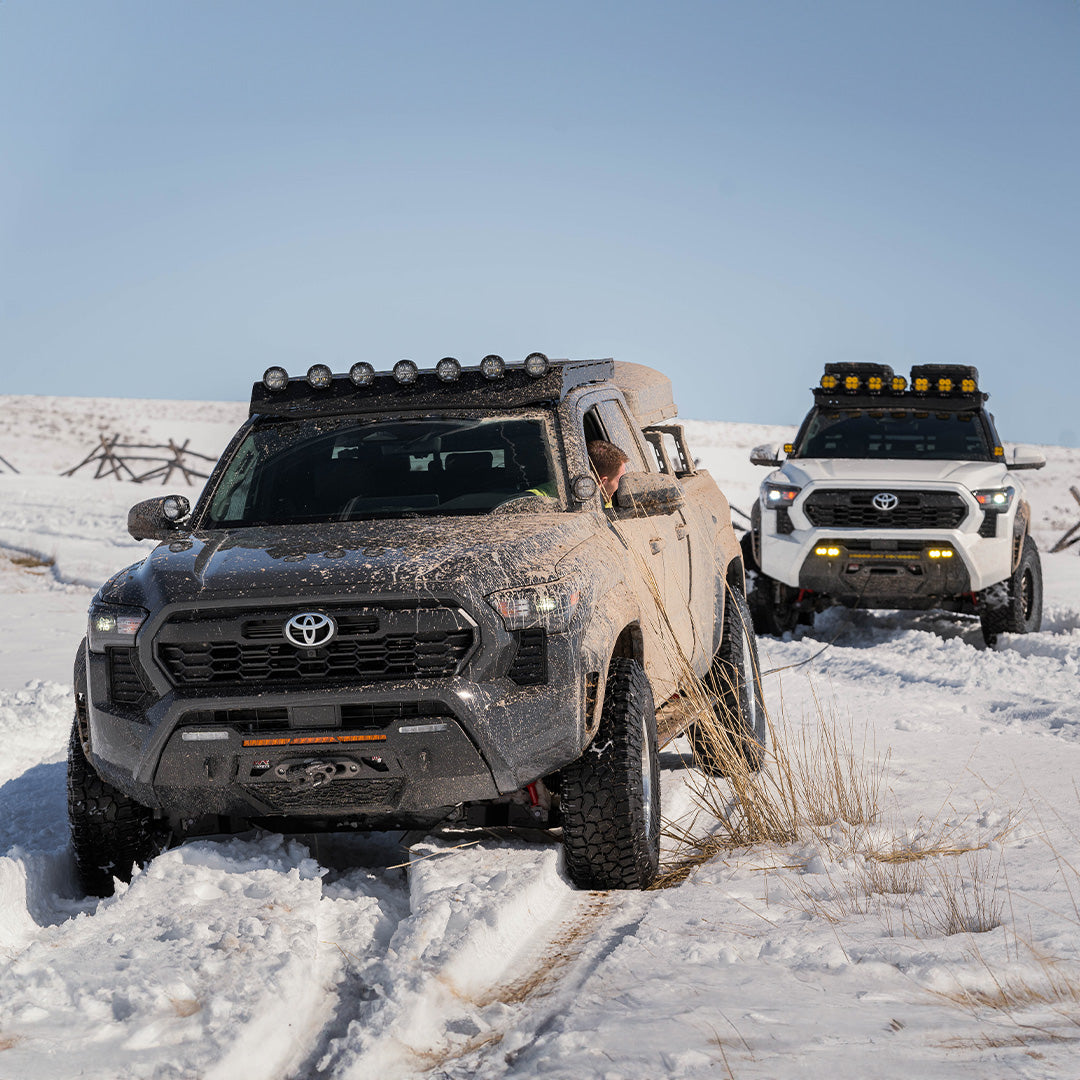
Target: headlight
{"type": "Point", "coordinates": [995, 498]}
{"type": "Point", "coordinates": [774, 495]}
{"type": "Point", "coordinates": [113, 625]}
{"type": "Point", "coordinates": [549, 606]}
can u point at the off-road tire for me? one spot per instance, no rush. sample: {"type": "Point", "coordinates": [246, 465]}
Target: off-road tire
{"type": "Point", "coordinates": [735, 686]}
{"type": "Point", "coordinates": [610, 797]}
{"type": "Point", "coordinates": [110, 832]}
{"type": "Point", "coordinates": [1014, 606]}
{"type": "Point", "coordinates": [772, 605]}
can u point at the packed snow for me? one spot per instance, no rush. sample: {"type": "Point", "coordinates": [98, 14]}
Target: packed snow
{"type": "Point", "coordinates": [941, 938]}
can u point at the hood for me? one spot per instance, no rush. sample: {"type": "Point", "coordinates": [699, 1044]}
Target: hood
{"type": "Point", "coordinates": [862, 471]}
{"type": "Point", "coordinates": [463, 554]}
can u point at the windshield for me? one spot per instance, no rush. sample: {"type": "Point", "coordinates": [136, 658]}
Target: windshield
{"type": "Point", "coordinates": [346, 469]}
{"type": "Point", "coordinates": [902, 433]}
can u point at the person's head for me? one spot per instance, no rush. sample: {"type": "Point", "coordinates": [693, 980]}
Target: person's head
{"type": "Point", "coordinates": [610, 465]}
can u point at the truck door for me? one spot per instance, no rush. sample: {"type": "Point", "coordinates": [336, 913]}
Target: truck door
{"type": "Point", "coordinates": [660, 539]}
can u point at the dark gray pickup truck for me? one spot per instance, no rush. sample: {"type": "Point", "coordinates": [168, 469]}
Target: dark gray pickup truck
{"type": "Point", "coordinates": [401, 600]}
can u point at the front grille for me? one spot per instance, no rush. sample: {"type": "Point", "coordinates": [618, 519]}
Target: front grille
{"type": "Point", "coordinates": [337, 796]}
{"type": "Point", "coordinates": [371, 644]}
{"type": "Point", "coordinates": [850, 508]}
{"type": "Point", "coordinates": [125, 685]}
{"type": "Point", "coordinates": [529, 667]}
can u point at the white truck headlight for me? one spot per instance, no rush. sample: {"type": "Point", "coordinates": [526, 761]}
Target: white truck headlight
{"type": "Point", "coordinates": [774, 495]}
{"type": "Point", "coordinates": [999, 499]}
{"type": "Point", "coordinates": [550, 606]}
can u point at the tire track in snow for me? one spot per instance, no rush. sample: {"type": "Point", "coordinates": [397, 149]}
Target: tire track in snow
{"type": "Point", "coordinates": [532, 1004]}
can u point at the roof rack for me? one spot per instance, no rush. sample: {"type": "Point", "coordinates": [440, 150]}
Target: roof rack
{"type": "Point", "coordinates": [864, 385]}
{"type": "Point", "coordinates": [490, 386]}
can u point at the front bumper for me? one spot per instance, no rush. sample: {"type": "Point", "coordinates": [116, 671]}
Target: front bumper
{"type": "Point", "coordinates": [886, 567]}
{"type": "Point", "coordinates": [873, 574]}
{"type": "Point", "coordinates": [382, 750]}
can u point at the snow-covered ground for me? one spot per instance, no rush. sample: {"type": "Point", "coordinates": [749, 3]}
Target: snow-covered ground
{"type": "Point", "coordinates": [834, 955]}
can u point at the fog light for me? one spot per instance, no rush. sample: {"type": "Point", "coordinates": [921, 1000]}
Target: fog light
{"type": "Point", "coordinates": [829, 552]}
{"type": "Point", "coordinates": [940, 553]}
{"type": "Point", "coordinates": [492, 367]}
{"type": "Point", "coordinates": [319, 377]}
{"type": "Point", "coordinates": [536, 364]}
{"type": "Point", "coordinates": [362, 374]}
{"type": "Point", "coordinates": [275, 378]}
{"type": "Point", "coordinates": [406, 372]}
{"type": "Point", "coordinates": [448, 369]}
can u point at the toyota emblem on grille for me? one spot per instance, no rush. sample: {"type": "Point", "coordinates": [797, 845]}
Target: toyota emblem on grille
{"type": "Point", "coordinates": [310, 629]}
{"type": "Point", "coordinates": [885, 500]}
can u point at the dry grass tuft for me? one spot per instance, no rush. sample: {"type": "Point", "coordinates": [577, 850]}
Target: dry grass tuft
{"type": "Point", "coordinates": [185, 1006]}
{"type": "Point", "coordinates": [1045, 988]}
{"type": "Point", "coordinates": [30, 562]}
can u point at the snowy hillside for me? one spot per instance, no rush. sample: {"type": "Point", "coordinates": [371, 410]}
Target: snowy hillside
{"type": "Point", "coordinates": [931, 929]}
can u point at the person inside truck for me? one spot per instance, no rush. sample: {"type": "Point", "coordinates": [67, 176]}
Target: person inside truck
{"type": "Point", "coordinates": [609, 463]}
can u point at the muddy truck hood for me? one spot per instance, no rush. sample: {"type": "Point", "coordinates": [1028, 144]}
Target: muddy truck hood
{"type": "Point", "coordinates": [461, 554]}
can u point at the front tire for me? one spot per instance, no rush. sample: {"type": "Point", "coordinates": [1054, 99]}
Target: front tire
{"type": "Point", "coordinates": [109, 830]}
{"type": "Point", "coordinates": [1014, 606]}
{"type": "Point", "coordinates": [610, 797]}
{"type": "Point", "coordinates": [735, 737]}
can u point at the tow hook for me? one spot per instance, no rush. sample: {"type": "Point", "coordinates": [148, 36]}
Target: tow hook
{"type": "Point", "coordinates": [302, 774]}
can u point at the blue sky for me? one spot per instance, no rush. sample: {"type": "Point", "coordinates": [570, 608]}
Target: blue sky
{"type": "Point", "coordinates": [736, 193]}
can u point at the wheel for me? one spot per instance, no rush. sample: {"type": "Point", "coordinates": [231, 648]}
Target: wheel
{"type": "Point", "coordinates": [610, 796]}
{"type": "Point", "coordinates": [735, 686]}
{"type": "Point", "coordinates": [1014, 606]}
{"type": "Point", "coordinates": [772, 605]}
{"type": "Point", "coordinates": [109, 830]}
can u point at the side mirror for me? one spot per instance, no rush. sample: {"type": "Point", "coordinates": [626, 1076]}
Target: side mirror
{"type": "Point", "coordinates": [766, 455]}
{"type": "Point", "coordinates": [158, 519]}
{"type": "Point", "coordinates": [644, 494]}
{"type": "Point", "coordinates": [1023, 457]}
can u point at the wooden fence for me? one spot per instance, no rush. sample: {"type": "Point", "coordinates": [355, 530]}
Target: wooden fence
{"type": "Point", "coordinates": [128, 461]}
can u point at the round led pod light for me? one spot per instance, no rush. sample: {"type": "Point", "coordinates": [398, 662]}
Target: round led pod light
{"type": "Point", "coordinates": [406, 372]}
{"type": "Point", "coordinates": [536, 364]}
{"type": "Point", "coordinates": [448, 369]}
{"type": "Point", "coordinates": [362, 374]}
{"type": "Point", "coordinates": [493, 367]}
{"type": "Point", "coordinates": [319, 377]}
{"type": "Point", "coordinates": [175, 507]}
{"type": "Point", "coordinates": [275, 378]}
{"type": "Point", "coordinates": [828, 382]}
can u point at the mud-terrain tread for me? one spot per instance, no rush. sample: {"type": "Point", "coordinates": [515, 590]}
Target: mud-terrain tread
{"type": "Point", "coordinates": [732, 696]}
{"type": "Point", "coordinates": [1001, 606]}
{"type": "Point", "coordinates": [109, 831]}
{"type": "Point", "coordinates": [604, 834]}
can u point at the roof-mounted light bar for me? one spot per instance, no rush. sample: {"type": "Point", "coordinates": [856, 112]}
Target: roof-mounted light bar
{"type": "Point", "coordinates": [405, 372]}
{"type": "Point", "coordinates": [945, 380]}
{"type": "Point", "coordinates": [855, 378]}
{"type": "Point", "coordinates": [927, 380]}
